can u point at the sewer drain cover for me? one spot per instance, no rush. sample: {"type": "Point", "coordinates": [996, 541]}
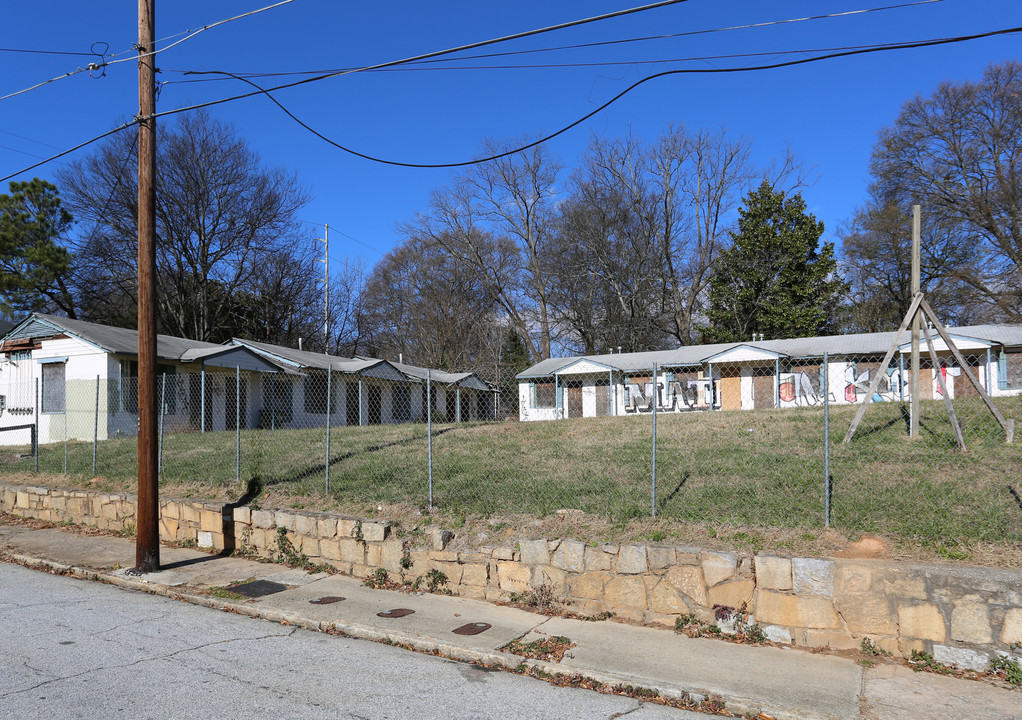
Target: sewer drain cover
{"type": "Point", "coordinates": [257, 588]}
{"type": "Point", "coordinates": [395, 613]}
{"type": "Point", "coordinates": [471, 629]}
{"type": "Point", "coordinates": [329, 599]}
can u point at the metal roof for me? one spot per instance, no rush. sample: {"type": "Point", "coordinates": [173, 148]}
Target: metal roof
{"type": "Point", "coordinates": [320, 361]}
{"type": "Point", "coordinates": [860, 344]}
{"type": "Point", "coordinates": [465, 379]}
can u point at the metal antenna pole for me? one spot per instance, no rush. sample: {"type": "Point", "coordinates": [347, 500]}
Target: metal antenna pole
{"type": "Point", "coordinates": [326, 287]}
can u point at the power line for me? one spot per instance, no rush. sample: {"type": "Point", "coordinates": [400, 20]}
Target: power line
{"type": "Point", "coordinates": [44, 52]}
{"type": "Point", "coordinates": [101, 66]}
{"type": "Point", "coordinates": [608, 103]}
{"type": "Point", "coordinates": [567, 47]}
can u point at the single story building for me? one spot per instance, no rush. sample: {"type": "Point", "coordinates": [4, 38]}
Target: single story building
{"type": "Point", "coordinates": [767, 374]}
{"type": "Point", "coordinates": [78, 380]}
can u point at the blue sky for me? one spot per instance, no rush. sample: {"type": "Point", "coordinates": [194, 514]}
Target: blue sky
{"type": "Point", "coordinates": [828, 112]}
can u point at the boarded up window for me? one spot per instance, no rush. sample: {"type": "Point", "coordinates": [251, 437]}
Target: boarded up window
{"type": "Point", "coordinates": [604, 397]}
{"type": "Point", "coordinates": [402, 403]}
{"type": "Point", "coordinates": [53, 387]}
{"type": "Point", "coordinates": [545, 394]}
{"type": "Point", "coordinates": [1010, 370]}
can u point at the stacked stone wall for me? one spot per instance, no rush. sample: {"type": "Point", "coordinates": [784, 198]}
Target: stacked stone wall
{"type": "Point", "coordinates": [962, 615]}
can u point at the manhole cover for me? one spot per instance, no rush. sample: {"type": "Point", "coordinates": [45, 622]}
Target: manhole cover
{"type": "Point", "coordinates": [328, 600]}
{"type": "Point", "coordinates": [395, 613]}
{"type": "Point", "coordinates": [257, 588]}
{"type": "Point", "coordinates": [471, 629]}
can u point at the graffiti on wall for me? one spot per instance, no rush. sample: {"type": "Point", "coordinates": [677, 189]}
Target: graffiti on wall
{"type": "Point", "coordinates": [677, 395]}
{"type": "Point", "coordinates": [799, 389]}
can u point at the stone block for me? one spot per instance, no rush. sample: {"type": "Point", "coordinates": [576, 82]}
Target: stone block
{"type": "Point", "coordinates": [688, 580]}
{"type": "Point", "coordinates": [285, 519]}
{"type": "Point", "coordinates": [475, 575]}
{"type": "Point", "coordinates": [850, 579]}
{"type": "Point", "coordinates": [453, 571]}
{"type": "Point", "coordinates": [218, 541]}
{"type": "Point", "coordinates": [58, 502]}
{"type": "Point", "coordinates": [352, 551]}
{"type": "Point", "coordinates": [211, 521]}
{"type": "Point", "coordinates": [512, 576]}
{"type": "Point", "coordinates": [550, 576]}
{"type": "Point", "coordinates": [22, 501]}
{"type": "Point", "coordinates": [373, 554]}
{"type": "Point", "coordinates": [446, 556]}
{"type": "Point", "coordinates": [342, 567]}
{"type": "Point", "coordinates": [596, 559]}
{"type": "Point", "coordinates": [812, 577]}
{"type": "Point", "coordinates": [718, 567]}
{"type": "Point", "coordinates": [961, 657]}
{"type": "Point", "coordinates": [809, 611]}
{"type": "Point", "coordinates": [495, 596]}
{"type": "Point", "coordinates": [570, 556]}
{"type": "Point", "coordinates": [263, 518]}
{"type": "Point", "coordinates": [1011, 629]}
{"type": "Point", "coordinates": [534, 552]}
{"type": "Point", "coordinates": [242, 515]}
{"type": "Point", "coordinates": [308, 545]}
{"type": "Point", "coordinates": [189, 513]}
{"type": "Point", "coordinates": [186, 533]}
{"type": "Point", "coordinates": [391, 553]}
{"type": "Point", "coordinates": [777, 634]}
{"type": "Point", "coordinates": [626, 592]}
{"type": "Point", "coordinates": [970, 621]}
{"type": "Point", "coordinates": [773, 573]}
{"type": "Point", "coordinates": [904, 585]}
{"type": "Point", "coordinates": [665, 599]}
{"type": "Point", "coordinates": [346, 527]}
{"type": "Point", "coordinates": [168, 529]}
{"type": "Point", "coordinates": [826, 639]}
{"type": "Point", "coordinates": [660, 557]}
{"type": "Point", "coordinates": [867, 614]}
{"type": "Point", "coordinates": [326, 527]}
{"type": "Point", "coordinates": [374, 532]}
{"type": "Point", "coordinates": [473, 557]}
{"type": "Point", "coordinates": [420, 562]}
{"type": "Point", "coordinates": [330, 549]}
{"type": "Point", "coordinates": [110, 513]}
{"type": "Point", "coordinates": [307, 525]}
{"type": "Point", "coordinates": [440, 538]}
{"type": "Point", "coordinates": [589, 586]}
{"type": "Point", "coordinates": [502, 553]}
{"type": "Point", "coordinates": [473, 592]}
{"type": "Point", "coordinates": [923, 621]}
{"type": "Point", "coordinates": [632, 560]}
{"type": "Point", "coordinates": [204, 539]}
{"type": "Point", "coordinates": [732, 594]}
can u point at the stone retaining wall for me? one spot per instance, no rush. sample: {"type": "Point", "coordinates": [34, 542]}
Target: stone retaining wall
{"type": "Point", "coordinates": [962, 615]}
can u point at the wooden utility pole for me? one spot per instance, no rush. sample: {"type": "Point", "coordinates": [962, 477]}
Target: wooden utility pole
{"type": "Point", "coordinates": [147, 538]}
{"type": "Point", "coordinates": [913, 431]}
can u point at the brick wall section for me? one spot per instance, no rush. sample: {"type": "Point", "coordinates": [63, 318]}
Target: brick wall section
{"type": "Point", "coordinates": [962, 615]}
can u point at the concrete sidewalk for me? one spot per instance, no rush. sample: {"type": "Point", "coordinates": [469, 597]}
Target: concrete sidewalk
{"type": "Point", "coordinates": [778, 682]}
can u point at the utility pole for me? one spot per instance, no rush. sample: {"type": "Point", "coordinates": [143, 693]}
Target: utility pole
{"type": "Point", "coordinates": [913, 430]}
{"type": "Point", "coordinates": [147, 538]}
{"type": "Point", "coordinates": [326, 287]}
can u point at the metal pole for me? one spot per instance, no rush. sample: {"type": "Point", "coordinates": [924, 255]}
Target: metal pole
{"type": "Point", "coordinates": [95, 429]}
{"type": "Point", "coordinates": [163, 411]}
{"type": "Point", "coordinates": [361, 403]}
{"type": "Point", "coordinates": [457, 406]}
{"type": "Point", "coordinates": [916, 322]}
{"type": "Point", "coordinates": [202, 399]}
{"type": "Point", "coordinates": [237, 424]}
{"type": "Point", "coordinates": [429, 433]}
{"type": "Point", "coordinates": [329, 398]}
{"type": "Point", "coordinates": [653, 401]}
{"type": "Point", "coordinates": [65, 437]}
{"type": "Point", "coordinates": [35, 445]}
{"type": "Point", "coordinates": [826, 439]}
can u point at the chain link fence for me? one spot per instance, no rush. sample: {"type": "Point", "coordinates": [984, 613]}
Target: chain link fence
{"type": "Point", "coordinates": [754, 443]}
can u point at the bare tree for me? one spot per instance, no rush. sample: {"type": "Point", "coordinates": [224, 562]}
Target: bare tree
{"type": "Point", "coordinates": [958, 154]}
{"type": "Point", "coordinates": [221, 219]}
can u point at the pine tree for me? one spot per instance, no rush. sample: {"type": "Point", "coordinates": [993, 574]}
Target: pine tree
{"type": "Point", "coordinates": [776, 278]}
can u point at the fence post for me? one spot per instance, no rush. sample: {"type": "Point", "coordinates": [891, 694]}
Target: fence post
{"type": "Point", "coordinates": [237, 424]}
{"type": "Point", "coordinates": [429, 433]}
{"type": "Point", "coordinates": [202, 399]}
{"type": "Point", "coordinates": [329, 402]}
{"type": "Point", "coordinates": [826, 439]}
{"type": "Point", "coordinates": [163, 411]}
{"type": "Point", "coordinates": [65, 435]}
{"type": "Point", "coordinates": [95, 430]}
{"type": "Point", "coordinates": [35, 445]}
{"type": "Point", "coordinates": [653, 403]}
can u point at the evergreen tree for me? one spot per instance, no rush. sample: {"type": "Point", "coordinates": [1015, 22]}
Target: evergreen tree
{"type": "Point", "coordinates": [34, 267]}
{"type": "Point", "coordinates": [776, 278]}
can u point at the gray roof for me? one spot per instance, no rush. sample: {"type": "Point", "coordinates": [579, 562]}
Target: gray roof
{"type": "Point", "coordinates": [465, 379]}
{"type": "Point", "coordinates": [811, 347]}
{"type": "Point", "coordinates": [322, 361]}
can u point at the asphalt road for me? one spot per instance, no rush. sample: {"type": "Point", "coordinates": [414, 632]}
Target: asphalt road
{"type": "Point", "coordinates": [75, 649]}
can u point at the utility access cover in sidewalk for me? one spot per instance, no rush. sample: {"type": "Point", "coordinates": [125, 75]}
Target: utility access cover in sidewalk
{"type": "Point", "coordinates": [395, 613]}
{"type": "Point", "coordinates": [471, 629]}
{"type": "Point", "coordinates": [258, 588]}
